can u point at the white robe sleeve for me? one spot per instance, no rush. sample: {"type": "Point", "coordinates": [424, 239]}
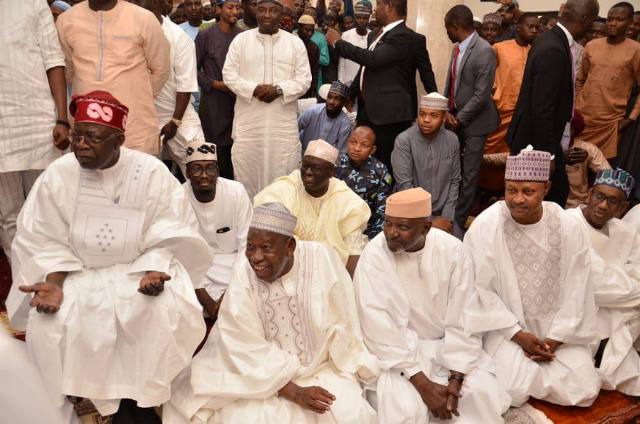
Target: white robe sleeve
{"type": "Point", "coordinates": [384, 312]}
{"type": "Point", "coordinates": [617, 286]}
{"type": "Point", "coordinates": [243, 88]}
{"type": "Point", "coordinates": [575, 321]}
{"type": "Point", "coordinates": [295, 87]}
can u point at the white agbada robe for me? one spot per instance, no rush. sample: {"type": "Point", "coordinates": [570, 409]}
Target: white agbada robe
{"type": "Point", "coordinates": [184, 79]}
{"type": "Point", "coordinates": [616, 270]}
{"type": "Point", "coordinates": [535, 278]}
{"type": "Point", "coordinates": [106, 228]}
{"type": "Point", "coordinates": [412, 308]}
{"type": "Point", "coordinates": [265, 135]}
{"type": "Point", "coordinates": [633, 217]}
{"type": "Point", "coordinates": [224, 224]}
{"type": "Point", "coordinates": [303, 327]}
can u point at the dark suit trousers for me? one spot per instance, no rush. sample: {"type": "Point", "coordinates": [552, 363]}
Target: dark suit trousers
{"type": "Point", "coordinates": [559, 190]}
{"type": "Point", "coordinates": [385, 135]}
{"type": "Point", "coordinates": [472, 149]}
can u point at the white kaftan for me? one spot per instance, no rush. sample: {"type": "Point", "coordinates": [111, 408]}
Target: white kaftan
{"type": "Point", "coordinates": [265, 135]}
{"type": "Point", "coordinates": [106, 228]}
{"type": "Point", "coordinates": [616, 279]}
{"type": "Point", "coordinates": [224, 224]}
{"type": "Point", "coordinates": [535, 278]}
{"type": "Point", "coordinates": [303, 328]}
{"type": "Point", "coordinates": [633, 217]}
{"type": "Point", "coordinates": [412, 308]}
{"type": "Point", "coordinates": [183, 79]}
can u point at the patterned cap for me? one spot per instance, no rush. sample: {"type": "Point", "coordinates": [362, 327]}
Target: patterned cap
{"type": "Point", "coordinates": [274, 217]}
{"type": "Point", "coordinates": [434, 101]}
{"type": "Point", "coordinates": [271, 1]}
{"type": "Point", "coordinates": [199, 149]}
{"type": "Point", "coordinates": [529, 165]}
{"type": "Point", "coordinates": [306, 20]}
{"type": "Point", "coordinates": [99, 107]}
{"type": "Point", "coordinates": [492, 18]}
{"type": "Point", "coordinates": [322, 150]}
{"type": "Point", "coordinates": [617, 178]}
{"type": "Point", "coordinates": [363, 8]}
{"type": "Point", "coordinates": [339, 88]}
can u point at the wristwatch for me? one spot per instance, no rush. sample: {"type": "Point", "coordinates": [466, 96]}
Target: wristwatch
{"type": "Point", "coordinates": [178, 122]}
{"type": "Point", "coordinates": [279, 90]}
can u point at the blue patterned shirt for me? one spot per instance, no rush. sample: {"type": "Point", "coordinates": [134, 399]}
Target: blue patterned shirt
{"type": "Point", "coordinates": [372, 182]}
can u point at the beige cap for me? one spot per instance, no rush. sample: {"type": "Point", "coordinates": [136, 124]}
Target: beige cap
{"type": "Point", "coordinates": [322, 150]}
{"type": "Point", "coordinates": [306, 20]}
{"type": "Point", "coordinates": [434, 101]}
{"type": "Point", "coordinates": [411, 203]}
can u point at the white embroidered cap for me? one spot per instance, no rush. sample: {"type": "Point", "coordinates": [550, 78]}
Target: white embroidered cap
{"type": "Point", "coordinates": [529, 165]}
{"type": "Point", "coordinates": [322, 150]}
{"type": "Point", "coordinates": [199, 149]}
{"type": "Point", "coordinates": [274, 217]}
{"type": "Point", "coordinates": [434, 101]}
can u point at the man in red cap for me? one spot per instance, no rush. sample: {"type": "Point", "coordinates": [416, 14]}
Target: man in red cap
{"type": "Point", "coordinates": [102, 231]}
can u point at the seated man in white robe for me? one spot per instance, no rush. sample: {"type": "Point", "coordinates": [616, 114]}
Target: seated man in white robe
{"type": "Point", "coordinates": [414, 285]}
{"type": "Point", "coordinates": [287, 346]}
{"type": "Point", "coordinates": [327, 209]}
{"type": "Point", "coordinates": [223, 210]}
{"type": "Point", "coordinates": [534, 286]}
{"type": "Point", "coordinates": [110, 253]}
{"type": "Point", "coordinates": [616, 268]}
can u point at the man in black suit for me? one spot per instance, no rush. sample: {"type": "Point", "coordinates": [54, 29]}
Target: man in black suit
{"type": "Point", "coordinates": [385, 85]}
{"type": "Point", "coordinates": [546, 101]}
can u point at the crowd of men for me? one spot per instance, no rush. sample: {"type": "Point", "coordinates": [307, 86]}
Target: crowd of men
{"type": "Point", "coordinates": [260, 182]}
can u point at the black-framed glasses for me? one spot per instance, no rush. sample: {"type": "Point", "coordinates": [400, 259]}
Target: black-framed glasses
{"type": "Point", "coordinates": [197, 170]}
{"type": "Point", "coordinates": [612, 201]}
{"type": "Point", "coordinates": [90, 138]}
{"type": "Point", "coordinates": [315, 169]}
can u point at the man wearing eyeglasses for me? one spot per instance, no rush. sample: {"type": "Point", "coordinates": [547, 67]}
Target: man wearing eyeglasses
{"type": "Point", "coordinates": [326, 208]}
{"type": "Point", "coordinates": [223, 209]}
{"type": "Point", "coordinates": [615, 264]}
{"type": "Point", "coordinates": [110, 253]}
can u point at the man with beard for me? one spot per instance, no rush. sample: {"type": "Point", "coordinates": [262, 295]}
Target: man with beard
{"type": "Point", "coordinates": [306, 29]}
{"type": "Point", "coordinates": [326, 208]}
{"type": "Point", "coordinates": [534, 284]}
{"type": "Point", "coordinates": [616, 267]}
{"type": "Point", "coordinates": [509, 12]}
{"type": "Point", "coordinates": [327, 121]}
{"type": "Point", "coordinates": [218, 103]}
{"type": "Point", "coordinates": [287, 346]}
{"type": "Point", "coordinates": [511, 59]}
{"type": "Point", "coordinates": [108, 248]}
{"type": "Point", "coordinates": [610, 68]}
{"type": "Point", "coordinates": [248, 20]}
{"type": "Point", "coordinates": [268, 70]}
{"type": "Point", "coordinates": [193, 11]}
{"type": "Point", "coordinates": [490, 28]}
{"type": "Point", "coordinates": [223, 210]}
{"type": "Point", "coordinates": [414, 291]}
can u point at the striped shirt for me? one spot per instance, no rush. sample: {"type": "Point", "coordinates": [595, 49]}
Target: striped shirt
{"type": "Point", "coordinates": [29, 47]}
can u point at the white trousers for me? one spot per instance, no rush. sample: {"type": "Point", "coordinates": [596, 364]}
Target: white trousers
{"type": "Point", "coordinates": [14, 188]}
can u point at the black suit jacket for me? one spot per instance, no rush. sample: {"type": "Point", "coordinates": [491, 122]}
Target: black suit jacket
{"type": "Point", "coordinates": [423, 64]}
{"type": "Point", "coordinates": [545, 103]}
{"type": "Point", "coordinates": [388, 88]}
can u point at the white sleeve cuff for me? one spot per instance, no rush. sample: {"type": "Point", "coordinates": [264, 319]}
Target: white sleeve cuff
{"type": "Point", "coordinates": [410, 372]}
{"type": "Point", "coordinates": [508, 333]}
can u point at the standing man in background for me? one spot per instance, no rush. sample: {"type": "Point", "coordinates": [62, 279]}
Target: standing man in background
{"type": "Point", "coordinates": [248, 20]}
{"type": "Point", "coordinates": [218, 102]}
{"type": "Point", "coordinates": [116, 46]}
{"type": "Point", "coordinates": [348, 69]}
{"type": "Point", "coordinates": [472, 113]}
{"type": "Point", "coordinates": [193, 10]}
{"type": "Point", "coordinates": [268, 70]}
{"type": "Point", "coordinates": [545, 105]}
{"type": "Point", "coordinates": [33, 105]}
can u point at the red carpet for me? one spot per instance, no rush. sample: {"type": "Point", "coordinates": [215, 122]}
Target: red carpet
{"type": "Point", "coordinates": [610, 408]}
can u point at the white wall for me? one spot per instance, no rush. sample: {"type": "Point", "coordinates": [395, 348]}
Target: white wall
{"type": "Point", "coordinates": [480, 8]}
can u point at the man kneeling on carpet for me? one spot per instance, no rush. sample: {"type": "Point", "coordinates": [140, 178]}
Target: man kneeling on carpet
{"type": "Point", "coordinates": [109, 249]}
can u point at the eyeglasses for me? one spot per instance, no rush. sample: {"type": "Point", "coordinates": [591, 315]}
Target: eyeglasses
{"type": "Point", "coordinates": [197, 170]}
{"type": "Point", "coordinates": [315, 169]}
{"type": "Point", "coordinates": [612, 201]}
{"type": "Point", "coordinates": [90, 138]}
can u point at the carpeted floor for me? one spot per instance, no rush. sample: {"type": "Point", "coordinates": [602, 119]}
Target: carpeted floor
{"type": "Point", "coordinates": [609, 408]}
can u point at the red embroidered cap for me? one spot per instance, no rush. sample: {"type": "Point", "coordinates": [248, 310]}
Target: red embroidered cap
{"type": "Point", "coordinates": [99, 107]}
